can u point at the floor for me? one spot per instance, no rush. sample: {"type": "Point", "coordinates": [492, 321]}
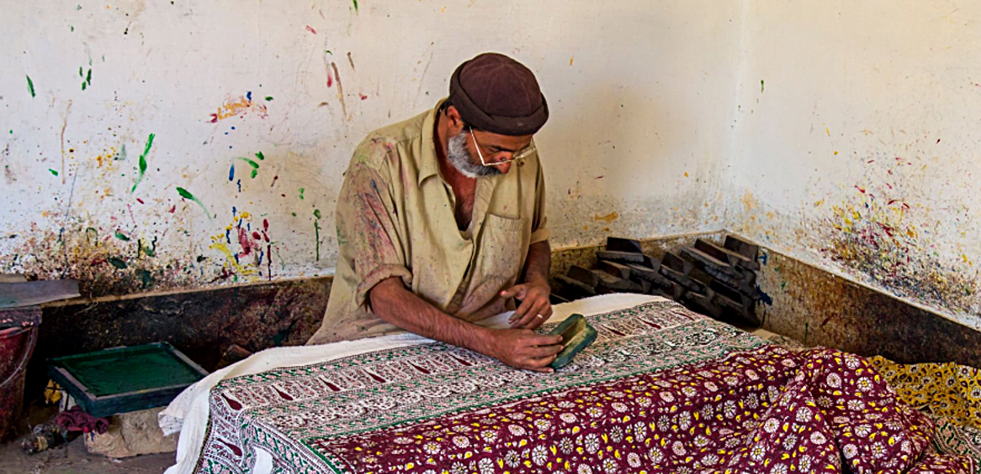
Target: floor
{"type": "Point", "coordinates": [71, 458]}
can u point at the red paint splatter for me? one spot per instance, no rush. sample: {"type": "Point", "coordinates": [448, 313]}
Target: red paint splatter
{"type": "Point", "coordinates": [363, 97]}
{"type": "Point", "coordinates": [938, 140]}
{"type": "Point", "coordinates": [330, 79]}
{"type": "Point", "coordinates": [871, 161]}
{"type": "Point", "coordinates": [174, 208]}
{"type": "Point", "coordinates": [214, 118]}
{"type": "Point", "coordinates": [244, 241]}
{"type": "Point", "coordinates": [256, 236]}
{"type": "Point", "coordinates": [860, 189]}
{"type": "Point", "coordinates": [274, 181]}
{"type": "Point", "coordinates": [310, 29]}
{"type": "Point", "coordinates": [600, 176]}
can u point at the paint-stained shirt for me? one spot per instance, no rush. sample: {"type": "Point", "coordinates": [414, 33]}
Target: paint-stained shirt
{"type": "Point", "coordinates": [395, 218]}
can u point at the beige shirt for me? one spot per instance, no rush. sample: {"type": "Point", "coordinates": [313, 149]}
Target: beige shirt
{"type": "Point", "coordinates": [395, 218]}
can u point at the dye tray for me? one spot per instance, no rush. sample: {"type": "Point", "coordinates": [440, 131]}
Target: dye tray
{"type": "Point", "coordinates": [125, 379]}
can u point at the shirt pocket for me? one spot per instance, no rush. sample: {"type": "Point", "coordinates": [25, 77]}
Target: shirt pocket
{"type": "Point", "coordinates": [502, 248]}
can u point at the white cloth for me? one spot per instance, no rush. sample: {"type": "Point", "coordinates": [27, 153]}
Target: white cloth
{"type": "Point", "coordinates": [188, 413]}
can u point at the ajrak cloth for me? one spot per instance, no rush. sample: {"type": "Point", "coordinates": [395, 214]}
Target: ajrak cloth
{"type": "Point", "coordinates": [661, 390]}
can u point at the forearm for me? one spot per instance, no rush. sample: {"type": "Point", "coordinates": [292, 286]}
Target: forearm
{"type": "Point", "coordinates": [396, 305]}
{"type": "Point", "coordinates": [538, 264]}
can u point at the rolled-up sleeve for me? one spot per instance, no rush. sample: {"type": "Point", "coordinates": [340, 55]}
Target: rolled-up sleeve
{"type": "Point", "coordinates": [539, 230]}
{"type": "Point", "coordinates": [367, 230]}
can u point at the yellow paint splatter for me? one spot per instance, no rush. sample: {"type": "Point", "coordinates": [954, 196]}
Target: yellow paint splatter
{"type": "Point", "coordinates": [828, 130]}
{"type": "Point", "coordinates": [686, 174]}
{"type": "Point", "coordinates": [570, 60]}
{"type": "Point", "coordinates": [749, 201]}
{"type": "Point", "coordinates": [819, 203]}
{"type": "Point", "coordinates": [607, 218]}
{"type": "Point", "coordinates": [239, 107]}
{"type": "Point", "coordinates": [836, 152]}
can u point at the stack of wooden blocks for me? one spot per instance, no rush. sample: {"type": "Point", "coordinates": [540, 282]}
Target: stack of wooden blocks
{"type": "Point", "coordinates": [717, 281]}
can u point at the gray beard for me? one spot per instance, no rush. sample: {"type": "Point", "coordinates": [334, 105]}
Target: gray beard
{"type": "Point", "coordinates": [460, 158]}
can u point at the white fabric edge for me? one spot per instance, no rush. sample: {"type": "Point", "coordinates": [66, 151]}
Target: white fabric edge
{"type": "Point", "coordinates": [188, 413]}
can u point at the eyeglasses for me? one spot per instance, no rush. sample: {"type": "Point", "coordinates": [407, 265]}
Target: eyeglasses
{"type": "Point", "coordinates": [518, 155]}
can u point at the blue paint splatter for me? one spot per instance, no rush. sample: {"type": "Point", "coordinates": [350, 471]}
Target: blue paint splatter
{"type": "Point", "coordinates": [234, 211]}
{"type": "Point", "coordinates": [239, 183]}
{"type": "Point", "coordinates": [231, 173]}
{"type": "Point", "coordinates": [764, 257]}
{"type": "Point", "coordinates": [248, 95]}
{"type": "Point", "coordinates": [764, 298]}
{"type": "Point", "coordinates": [228, 238]}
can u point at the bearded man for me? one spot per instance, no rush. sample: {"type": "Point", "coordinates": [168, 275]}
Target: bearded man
{"type": "Point", "coordinates": [441, 222]}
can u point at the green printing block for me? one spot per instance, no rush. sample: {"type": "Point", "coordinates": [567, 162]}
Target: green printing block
{"type": "Point", "coordinates": [576, 334]}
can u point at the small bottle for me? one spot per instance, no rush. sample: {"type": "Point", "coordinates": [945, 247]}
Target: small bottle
{"type": "Point", "coordinates": [43, 437]}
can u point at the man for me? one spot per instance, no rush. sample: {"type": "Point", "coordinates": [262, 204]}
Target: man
{"type": "Point", "coordinates": [441, 222]}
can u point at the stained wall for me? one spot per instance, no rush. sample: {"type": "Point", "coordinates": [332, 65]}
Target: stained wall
{"type": "Point", "coordinates": [856, 146]}
{"type": "Point", "coordinates": [186, 145]}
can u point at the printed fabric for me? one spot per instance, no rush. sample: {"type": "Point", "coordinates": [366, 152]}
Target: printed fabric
{"type": "Point", "coordinates": [662, 390]}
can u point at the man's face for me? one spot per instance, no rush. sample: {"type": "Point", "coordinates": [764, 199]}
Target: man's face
{"type": "Point", "coordinates": [465, 149]}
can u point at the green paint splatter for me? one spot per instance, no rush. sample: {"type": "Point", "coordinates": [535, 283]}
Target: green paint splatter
{"type": "Point", "coordinates": [260, 156]}
{"type": "Point", "coordinates": [72, 27]}
{"type": "Point", "coordinates": [30, 85]}
{"type": "Point", "coordinates": [301, 192]}
{"type": "Point", "coordinates": [146, 278]}
{"type": "Point", "coordinates": [122, 236]}
{"type": "Point", "coordinates": [92, 234]}
{"type": "Point", "coordinates": [117, 262]}
{"type": "Point", "coordinates": [146, 150]}
{"type": "Point", "coordinates": [316, 230]}
{"type": "Point", "coordinates": [269, 97]}
{"type": "Point", "coordinates": [88, 77]}
{"type": "Point", "coordinates": [293, 213]}
{"type": "Point", "coordinates": [761, 86]}
{"type": "Point", "coordinates": [53, 171]}
{"type": "Point", "coordinates": [316, 213]}
{"type": "Point", "coordinates": [253, 164]}
{"type": "Point", "coordinates": [187, 195]}
{"type": "Point", "coordinates": [84, 85]}
{"type": "Point", "coordinates": [80, 72]}
{"type": "Point", "coordinates": [355, 6]}
{"type": "Point", "coordinates": [783, 286]}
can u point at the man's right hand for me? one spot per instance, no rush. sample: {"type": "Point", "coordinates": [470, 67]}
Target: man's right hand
{"type": "Point", "coordinates": [525, 349]}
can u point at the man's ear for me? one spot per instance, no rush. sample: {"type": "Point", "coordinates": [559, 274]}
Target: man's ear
{"type": "Point", "coordinates": [454, 120]}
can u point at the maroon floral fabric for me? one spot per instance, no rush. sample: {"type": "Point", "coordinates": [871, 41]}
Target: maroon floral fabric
{"type": "Point", "coordinates": [661, 391]}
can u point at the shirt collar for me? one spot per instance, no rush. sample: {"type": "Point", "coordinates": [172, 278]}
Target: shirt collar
{"type": "Point", "coordinates": [428, 165]}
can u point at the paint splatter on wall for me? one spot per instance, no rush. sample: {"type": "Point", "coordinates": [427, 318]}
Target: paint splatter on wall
{"type": "Point", "coordinates": [151, 121]}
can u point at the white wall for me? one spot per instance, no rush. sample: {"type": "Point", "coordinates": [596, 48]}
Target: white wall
{"type": "Point", "coordinates": [859, 150]}
{"type": "Point", "coordinates": [640, 93]}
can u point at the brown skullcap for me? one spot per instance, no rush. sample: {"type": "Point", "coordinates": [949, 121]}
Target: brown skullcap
{"type": "Point", "coordinates": [497, 94]}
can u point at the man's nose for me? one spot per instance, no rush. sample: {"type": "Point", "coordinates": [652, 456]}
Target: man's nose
{"type": "Point", "coordinates": [504, 167]}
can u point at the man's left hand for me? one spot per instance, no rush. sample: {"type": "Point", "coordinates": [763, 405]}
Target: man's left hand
{"type": "Point", "coordinates": [535, 307]}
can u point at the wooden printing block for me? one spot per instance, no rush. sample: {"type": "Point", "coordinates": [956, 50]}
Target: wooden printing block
{"type": "Point", "coordinates": [620, 244]}
{"type": "Point", "coordinates": [738, 305]}
{"type": "Point", "coordinates": [576, 334]}
{"type": "Point", "coordinates": [574, 289]}
{"type": "Point", "coordinates": [742, 247]}
{"type": "Point", "coordinates": [615, 284]}
{"type": "Point", "coordinates": [703, 303]}
{"type": "Point", "coordinates": [620, 257]}
{"type": "Point", "coordinates": [732, 276]}
{"type": "Point", "coordinates": [677, 269]}
{"type": "Point", "coordinates": [583, 275]}
{"type": "Point", "coordinates": [726, 255]}
{"type": "Point", "coordinates": [615, 269]}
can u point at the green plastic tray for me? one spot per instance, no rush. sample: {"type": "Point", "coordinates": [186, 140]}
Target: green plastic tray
{"type": "Point", "coordinates": [125, 379]}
